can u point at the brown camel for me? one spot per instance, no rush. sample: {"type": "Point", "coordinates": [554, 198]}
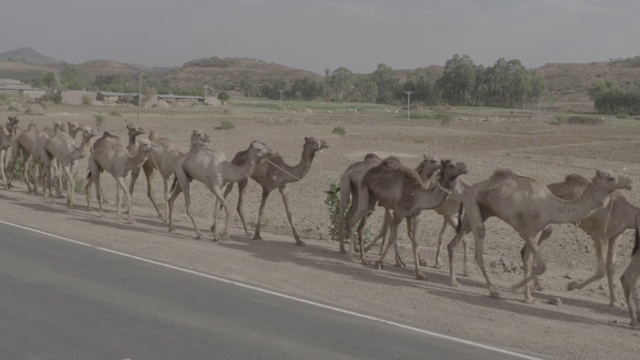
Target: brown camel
{"type": "Point", "coordinates": [613, 218]}
{"type": "Point", "coordinates": [110, 154]}
{"type": "Point", "coordinates": [400, 190]}
{"type": "Point", "coordinates": [163, 157]}
{"type": "Point", "coordinates": [60, 146]}
{"type": "Point", "coordinates": [211, 168]}
{"type": "Point", "coordinates": [349, 181]}
{"type": "Point", "coordinates": [629, 280]}
{"type": "Point", "coordinates": [529, 207]}
{"type": "Point", "coordinates": [273, 173]}
{"type": "Point", "coordinates": [447, 175]}
{"type": "Point", "coordinates": [7, 135]}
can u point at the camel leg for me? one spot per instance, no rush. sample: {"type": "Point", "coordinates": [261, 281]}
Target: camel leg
{"type": "Point", "coordinates": [87, 191]}
{"type": "Point", "coordinates": [265, 195]}
{"type": "Point", "coordinates": [346, 191]}
{"type": "Point", "coordinates": [451, 248]}
{"type": "Point", "coordinates": [629, 280]}
{"type": "Point", "coordinates": [220, 196]}
{"type": "Point", "coordinates": [96, 179]}
{"type": "Point", "coordinates": [416, 247]}
{"type": "Point", "coordinates": [118, 202]}
{"type": "Point", "coordinates": [540, 267]}
{"type": "Point", "coordinates": [149, 173]}
{"type": "Point", "coordinates": [242, 189]}
{"type": "Point", "coordinates": [165, 184]}
{"type": "Point", "coordinates": [187, 204]}
{"type": "Point", "coordinates": [393, 234]}
{"type": "Point", "coordinates": [172, 199]}
{"type": "Point", "coordinates": [2, 162]}
{"type": "Point", "coordinates": [527, 263]}
{"type": "Point", "coordinates": [600, 272]}
{"type": "Point", "coordinates": [612, 252]}
{"type": "Point", "coordinates": [25, 174]}
{"type": "Point", "coordinates": [121, 184]}
{"type": "Point", "coordinates": [412, 230]}
{"type": "Point", "coordinates": [440, 238]}
{"type": "Point", "coordinates": [284, 191]}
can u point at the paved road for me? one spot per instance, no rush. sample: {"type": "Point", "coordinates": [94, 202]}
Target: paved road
{"type": "Point", "coordinates": [62, 300]}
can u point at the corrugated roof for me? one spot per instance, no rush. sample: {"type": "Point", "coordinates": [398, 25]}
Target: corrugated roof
{"type": "Point", "coordinates": [18, 87]}
{"type": "Point", "coordinates": [180, 97]}
{"type": "Point", "coordinates": [109, 93]}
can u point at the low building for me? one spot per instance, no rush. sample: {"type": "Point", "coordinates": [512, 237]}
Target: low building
{"type": "Point", "coordinates": [22, 90]}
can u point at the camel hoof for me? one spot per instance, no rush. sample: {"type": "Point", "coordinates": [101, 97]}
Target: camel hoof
{"type": "Point", "coordinates": [465, 273]}
{"type": "Point", "coordinates": [365, 262]}
{"type": "Point", "coordinates": [529, 300]}
{"type": "Point", "coordinates": [401, 264]}
{"type": "Point", "coordinates": [454, 283]}
{"type": "Point", "coordinates": [421, 277]}
{"type": "Point", "coordinates": [342, 251]}
{"type": "Point", "coordinates": [437, 266]}
{"type": "Point", "coordinates": [299, 243]}
{"type": "Point", "coordinates": [171, 230]}
{"type": "Point", "coordinates": [379, 265]}
{"type": "Point", "coordinates": [422, 262]}
{"type": "Point", "coordinates": [494, 294]}
{"type": "Point", "coordinates": [257, 237]}
{"type": "Point", "coordinates": [572, 285]}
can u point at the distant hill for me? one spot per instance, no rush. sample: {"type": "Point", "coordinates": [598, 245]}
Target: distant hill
{"type": "Point", "coordinates": [222, 73]}
{"type": "Point", "coordinates": [28, 55]}
{"type": "Point", "coordinates": [95, 68]}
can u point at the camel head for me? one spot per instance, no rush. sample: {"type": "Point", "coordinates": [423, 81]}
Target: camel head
{"type": "Point", "coordinates": [145, 145]}
{"type": "Point", "coordinates": [153, 135]}
{"type": "Point", "coordinates": [451, 170]}
{"type": "Point", "coordinates": [13, 120]}
{"type": "Point", "coordinates": [73, 127]}
{"type": "Point", "coordinates": [315, 145]}
{"type": "Point", "coordinates": [261, 149]}
{"type": "Point", "coordinates": [428, 166]}
{"type": "Point", "coordinates": [134, 131]}
{"type": "Point", "coordinates": [610, 181]}
{"type": "Point", "coordinates": [199, 136]}
{"type": "Point", "coordinates": [88, 133]}
{"type": "Point", "coordinates": [59, 126]}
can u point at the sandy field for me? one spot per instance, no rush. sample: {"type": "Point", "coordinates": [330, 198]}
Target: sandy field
{"type": "Point", "coordinates": [583, 326]}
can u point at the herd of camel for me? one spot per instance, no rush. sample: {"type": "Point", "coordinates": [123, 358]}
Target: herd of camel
{"type": "Point", "coordinates": [597, 206]}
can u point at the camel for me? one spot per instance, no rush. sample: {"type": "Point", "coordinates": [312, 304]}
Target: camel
{"type": "Point", "coordinates": [615, 218]}
{"type": "Point", "coordinates": [30, 143]}
{"type": "Point", "coordinates": [110, 154]}
{"type": "Point", "coordinates": [273, 173]}
{"type": "Point", "coordinates": [211, 168]}
{"type": "Point", "coordinates": [349, 181]}
{"type": "Point", "coordinates": [163, 157]}
{"type": "Point", "coordinates": [61, 147]}
{"type": "Point", "coordinates": [400, 190]}
{"type": "Point", "coordinates": [529, 207]}
{"type": "Point", "coordinates": [629, 280]}
{"type": "Point", "coordinates": [6, 142]}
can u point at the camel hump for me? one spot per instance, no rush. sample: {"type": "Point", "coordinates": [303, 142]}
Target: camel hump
{"type": "Point", "coordinates": [502, 173]}
{"type": "Point", "coordinates": [371, 157]}
{"type": "Point", "coordinates": [577, 178]}
{"type": "Point", "coordinates": [392, 162]}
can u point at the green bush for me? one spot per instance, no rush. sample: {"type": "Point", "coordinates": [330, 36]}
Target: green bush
{"type": "Point", "coordinates": [333, 206]}
{"type": "Point", "coordinates": [226, 125]}
{"type": "Point", "coordinates": [115, 113]}
{"type": "Point", "coordinates": [223, 96]}
{"type": "Point", "coordinates": [339, 130]}
{"type": "Point", "coordinates": [100, 119]}
{"type": "Point", "coordinates": [86, 100]}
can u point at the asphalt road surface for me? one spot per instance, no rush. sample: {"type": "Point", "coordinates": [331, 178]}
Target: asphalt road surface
{"type": "Point", "coordinates": [63, 300]}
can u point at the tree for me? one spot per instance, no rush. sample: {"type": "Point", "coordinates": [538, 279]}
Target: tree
{"type": "Point", "coordinates": [341, 81]}
{"type": "Point", "coordinates": [307, 88]}
{"type": "Point", "coordinates": [458, 82]}
{"type": "Point", "coordinates": [386, 82]}
{"type": "Point", "coordinates": [248, 86]}
{"type": "Point", "coordinates": [223, 96]}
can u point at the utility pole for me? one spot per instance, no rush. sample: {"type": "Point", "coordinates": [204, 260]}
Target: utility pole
{"type": "Point", "coordinates": [206, 87]}
{"type": "Point", "coordinates": [281, 99]}
{"type": "Point", "coordinates": [408, 102]}
{"type": "Point", "coordinates": [139, 97]}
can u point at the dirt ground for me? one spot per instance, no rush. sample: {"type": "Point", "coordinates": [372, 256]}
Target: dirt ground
{"type": "Point", "coordinates": [583, 326]}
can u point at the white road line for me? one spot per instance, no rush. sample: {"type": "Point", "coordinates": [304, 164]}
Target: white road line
{"type": "Point", "coordinates": [246, 286]}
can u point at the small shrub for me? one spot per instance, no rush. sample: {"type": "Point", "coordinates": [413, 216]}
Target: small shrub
{"type": "Point", "coordinates": [420, 141]}
{"type": "Point", "coordinates": [226, 125]}
{"type": "Point", "coordinates": [622, 116]}
{"type": "Point", "coordinates": [80, 183]}
{"type": "Point", "coordinates": [444, 117]}
{"type": "Point", "coordinates": [223, 96]}
{"type": "Point", "coordinates": [18, 169]}
{"type": "Point", "coordinates": [86, 100]}
{"type": "Point", "coordinates": [100, 119]}
{"type": "Point", "coordinates": [115, 113]}
{"type": "Point", "coordinates": [339, 130]}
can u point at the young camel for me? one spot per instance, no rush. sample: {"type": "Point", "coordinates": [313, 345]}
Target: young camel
{"type": "Point", "coordinates": [163, 157]}
{"type": "Point", "coordinates": [110, 154]}
{"type": "Point", "coordinates": [61, 147]}
{"type": "Point", "coordinates": [615, 218]}
{"type": "Point", "coordinates": [400, 190]}
{"type": "Point", "coordinates": [448, 173]}
{"type": "Point", "coordinates": [6, 142]}
{"type": "Point", "coordinates": [529, 207]}
{"type": "Point", "coordinates": [273, 173]}
{"type": "Point", "coordinates": [629, 280]}
{"type": "Point", "coordinates": [349, 181]}
{"type": "Point", "coordinates": [211, 168]}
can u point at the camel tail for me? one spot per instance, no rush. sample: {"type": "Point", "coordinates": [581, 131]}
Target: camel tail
{"type": "Point", "coordinates": [636, 246]}
{"type": "Point", "coordinates": [459, 225]}
{"type": "Point", "coordinates": [174, 183]}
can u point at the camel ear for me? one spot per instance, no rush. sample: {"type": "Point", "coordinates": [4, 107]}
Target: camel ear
{"type": "Point", "coordinates": [599, 173]}
{"type": "Point", "coordinates": [306, 139]}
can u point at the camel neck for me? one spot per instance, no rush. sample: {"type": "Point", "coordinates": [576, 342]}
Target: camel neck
{"type": "Point", "coordinates": [429, 199]}
{"type": "Point", "coordinates": [303, 167]}
{"type": "Point", "coordinates": [571, 211]}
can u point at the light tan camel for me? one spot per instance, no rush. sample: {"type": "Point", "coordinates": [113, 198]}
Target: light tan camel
{"type": "Point", "coordinates": [400, 190]}
{"type": "Point", "coordinates": [529, 207]}
{"type": "Point", "coordinates": [61, 147]}
{"type": "Point", "coordinates": [273, 173]}
{"type": "Point", "coordinates": [110, 154]}
{"type": "Point", "coordinates": [30, 144]}
{"type": "Point", "coordinates": [349, 181]}
{"type": "Point", "coordinates": [73, 129]}
{"type": "Point", "coordinates": [163, 158]}
{"type": "Point", "coordinates": [7, 136]}
{"type": "Point", "coordinates": [629, 280]}
{"type": "Point", "coordinates": [211, 168]}
{"type": "Point", "coordinates": [615, 218]}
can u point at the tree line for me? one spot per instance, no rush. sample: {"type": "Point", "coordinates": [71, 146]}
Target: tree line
{"type": "Point", "coordinates": [611, 98]}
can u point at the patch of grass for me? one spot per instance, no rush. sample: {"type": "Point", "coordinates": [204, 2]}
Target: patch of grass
{"type": "Point", "coordinates": [99, 119]}
{"type": "Point", "coordinates": [585, 120]}
{"type": "Point", "coordinates": [339, 130]}
{"type": "Point", "coordinates": [86, 100]}
{"type": "Point", "coordinates": [419, 141]}
{"type": "Point", "coordinates": [115, 113]}
{"type": "Point", "coordinates": [226, 125]}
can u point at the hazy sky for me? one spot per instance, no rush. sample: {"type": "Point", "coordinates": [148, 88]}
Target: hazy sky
{"type": "Point", "coordinates": [315, 35]}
